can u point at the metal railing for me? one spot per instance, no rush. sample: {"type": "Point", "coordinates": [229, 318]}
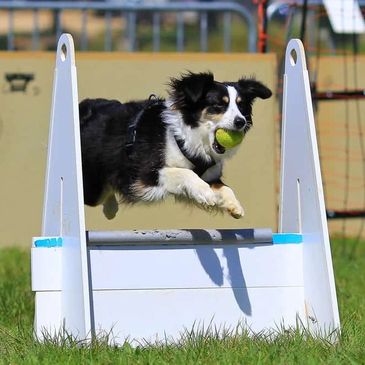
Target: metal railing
{"type": "Point", "coordinates": [130, 11]}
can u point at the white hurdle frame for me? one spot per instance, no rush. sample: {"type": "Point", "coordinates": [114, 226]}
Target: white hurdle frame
{"type": "Point", "coordinates": [151, 286]}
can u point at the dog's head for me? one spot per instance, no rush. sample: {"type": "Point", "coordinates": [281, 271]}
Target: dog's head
{"type": "Point", "coordinates": [207, 105]}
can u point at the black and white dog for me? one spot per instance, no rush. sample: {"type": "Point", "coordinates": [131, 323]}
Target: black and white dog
{"type": "Point", "coordinates": [148, 150]}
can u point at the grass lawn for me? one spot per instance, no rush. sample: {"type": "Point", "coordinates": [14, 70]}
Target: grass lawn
{"type": "Point", "coordinates": [18, 347]}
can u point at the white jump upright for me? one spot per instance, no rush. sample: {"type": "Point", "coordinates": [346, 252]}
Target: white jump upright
{"type": "Point", "coordinates": [63, 213]}
{"type": "Point", "coordinates": [152, 286]}
{"type": "Point", "coordinates": [302, 207]}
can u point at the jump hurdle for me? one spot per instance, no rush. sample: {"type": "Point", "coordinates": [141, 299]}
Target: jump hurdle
{"type": "Point", "coordinates": [153, 285]}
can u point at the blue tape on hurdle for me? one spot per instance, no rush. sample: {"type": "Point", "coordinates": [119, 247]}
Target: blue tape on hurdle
{"type": "Point", "coordinates": [286, 238]}
{"type": "Point", "coordinates": [49, 242]}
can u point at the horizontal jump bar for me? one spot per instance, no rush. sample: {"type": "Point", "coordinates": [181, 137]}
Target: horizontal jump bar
{"type": "Point", "coordinates": [231, 237]}
{"type": "Point", "coordinates": [180, 237]}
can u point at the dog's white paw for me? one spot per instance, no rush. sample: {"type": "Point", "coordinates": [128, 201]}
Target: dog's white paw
{"type": "Point", "coordinates": [227, 202]}
{"type": "Point", "coordinates": [235, 209]}
{"type": "Point", "coordinates": [203, 194]}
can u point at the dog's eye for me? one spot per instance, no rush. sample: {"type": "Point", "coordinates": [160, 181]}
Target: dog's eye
{"type": "Point", "coordinates": [216, 108]}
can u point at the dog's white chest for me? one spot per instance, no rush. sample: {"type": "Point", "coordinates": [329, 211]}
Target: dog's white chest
{"type": "Point", "coordinates": [174, 157]}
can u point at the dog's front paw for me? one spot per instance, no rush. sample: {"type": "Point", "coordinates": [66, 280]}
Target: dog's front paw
{"type": "Point", "coordinates": [204, 195]}
{"type": "Point", "coordinates": [235, 210]}
{"type": "Point", "coordinates": [226, 201]}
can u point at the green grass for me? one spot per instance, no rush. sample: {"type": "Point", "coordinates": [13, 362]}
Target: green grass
{"type": "Point", "coordinates": [18, 347]}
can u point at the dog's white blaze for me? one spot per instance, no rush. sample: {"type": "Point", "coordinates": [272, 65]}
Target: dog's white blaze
{"type": "Point", "coordinates": [232, 111]}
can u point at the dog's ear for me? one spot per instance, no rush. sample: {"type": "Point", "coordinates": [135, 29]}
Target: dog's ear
{"type": "Point", "coordinates": [254, 88]}
{"type": "Point", "coordinates": [190, 87]}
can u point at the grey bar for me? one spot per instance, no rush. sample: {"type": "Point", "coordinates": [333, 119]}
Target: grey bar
{"type": "Point", "coordinates": [131, 25]}
{"type": "Point", "coordinates": [156, 24]}
{"type": "Point", "coordinates": [11, 31]}
{"type": "Point", "coordinates": [84, 38]}
{"type": "Point", "coordinates": [227, 36]}
{"type": "Point", "coordinates": [203, 32]}
{"type": "Point", "coordinates": [58, 25]}
{"type": "Point", "coordinates": [180, 237]}
{"type": "Point", "coordinates": [108, 31]}
{"type": "Point", "coordinates": [124, 37]}
{"type": "Point", "coordinates": [180, 32]}
{"type": "Point", "coordinates": [35, 32]}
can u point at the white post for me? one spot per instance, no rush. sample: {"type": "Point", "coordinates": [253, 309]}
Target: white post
{"type": "Point", "coordinates": [63, 213]}
{"type": "Point", "coordinates": [302, 207]}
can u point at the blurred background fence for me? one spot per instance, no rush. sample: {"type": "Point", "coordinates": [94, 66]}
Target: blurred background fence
{"type": "Point", "coordinates": [128, 26]}
{"type": "Point", "coordinates": [161, 25]}
{"type": "Point", "coordinates": [336, 63]}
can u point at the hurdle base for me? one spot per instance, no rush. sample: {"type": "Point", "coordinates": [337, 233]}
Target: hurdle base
{"type": "Point", "coordinates": [148, 294]}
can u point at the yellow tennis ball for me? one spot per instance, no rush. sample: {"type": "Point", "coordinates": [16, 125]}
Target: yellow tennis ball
{"type": "Point", "coordinates": [227, 138]}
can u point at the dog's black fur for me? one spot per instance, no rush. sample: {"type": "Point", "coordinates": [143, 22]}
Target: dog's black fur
{"type": "Point", "coordinates": [104, 137]}
{"type": "Point", "coordinates": [172, 136]}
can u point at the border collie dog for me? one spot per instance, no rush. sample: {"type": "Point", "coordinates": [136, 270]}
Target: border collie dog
{"type": "Point", "coordinates": [144, 151]}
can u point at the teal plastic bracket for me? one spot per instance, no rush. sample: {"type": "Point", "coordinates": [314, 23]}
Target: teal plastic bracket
{"type": "Point", "coordinates": [49, 242]}
{"type": "Point", "coordinates": [286, 238]}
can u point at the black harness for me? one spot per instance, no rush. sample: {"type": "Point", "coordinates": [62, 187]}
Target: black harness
{"type": "Point", "coordinates": [200, 165]}
{"type": "Point", "coordinates": [132, 128]}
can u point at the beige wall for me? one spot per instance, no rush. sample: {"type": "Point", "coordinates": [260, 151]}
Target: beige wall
{"type": "Point", "coordinates": [24, 119]}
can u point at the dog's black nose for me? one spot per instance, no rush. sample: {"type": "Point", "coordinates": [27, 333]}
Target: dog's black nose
{"type": "Point", "coordinates": [239, 122]}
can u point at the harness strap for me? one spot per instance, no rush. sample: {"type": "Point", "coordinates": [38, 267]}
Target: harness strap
{"type": "Point", "coordinates": [201, 165]}
{"type": "Point", "coordinates": [132, 127]}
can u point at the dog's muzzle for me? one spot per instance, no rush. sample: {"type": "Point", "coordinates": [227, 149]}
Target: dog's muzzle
{"type": "Point", "coordinates": [217, 147]}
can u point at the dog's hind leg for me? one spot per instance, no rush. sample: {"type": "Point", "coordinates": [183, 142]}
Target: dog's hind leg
{"type": "Point", "coordinates": [110, 206]}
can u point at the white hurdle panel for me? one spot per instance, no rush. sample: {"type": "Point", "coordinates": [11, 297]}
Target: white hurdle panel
{"type": "Point", "coordinates": [151, 286]}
